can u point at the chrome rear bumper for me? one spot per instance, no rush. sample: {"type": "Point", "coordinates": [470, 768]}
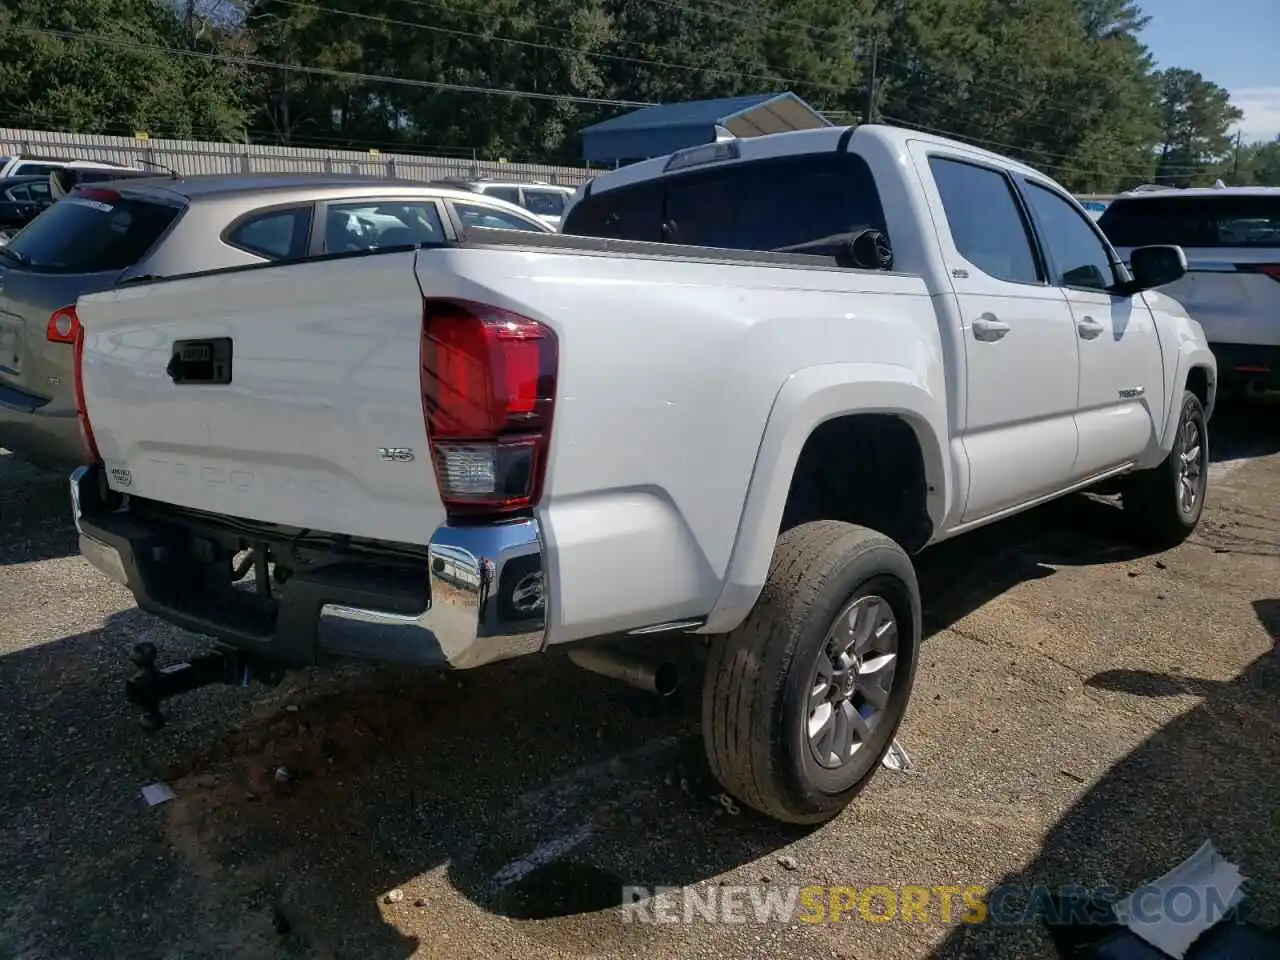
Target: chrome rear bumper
{"type": "Point", "coordinates": [482, 598]}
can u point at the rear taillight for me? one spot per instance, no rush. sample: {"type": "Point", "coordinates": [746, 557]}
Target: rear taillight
{"type": "Point", "coordinates": [82, 412]}
{"type": "Point", "coordinates": [1272, 270]}
{"type": "Point", "coordinates": [488, 392]}
{"type": "Point", "coordinates": [64, 325]}
{"type": "Point", "coordinates": [96, 193]}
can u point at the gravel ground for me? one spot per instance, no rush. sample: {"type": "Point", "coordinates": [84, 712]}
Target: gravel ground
{"type": "Point", "coordinates": [1084, 713]}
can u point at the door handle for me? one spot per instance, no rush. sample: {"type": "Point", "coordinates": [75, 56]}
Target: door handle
{"type": "Point", "coordinates": [987, 328]}
{"type": "Point", "coordinates": [1089, 328]}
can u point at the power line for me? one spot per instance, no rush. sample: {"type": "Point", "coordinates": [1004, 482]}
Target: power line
{"type": "Point", "coordinates": [1003, 147]}
{"type": "Point", "coordinates": [537, 45]}
{"type": "Point", "coordinates": [328, 71]}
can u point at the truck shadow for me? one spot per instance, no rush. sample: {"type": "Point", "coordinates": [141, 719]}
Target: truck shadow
{"type": "Point", "coordinates": [1209, 774]}
{"type": "Point", "coordinates": [335, 815]}
{"type": "Point", "coordinates": [35, 512]}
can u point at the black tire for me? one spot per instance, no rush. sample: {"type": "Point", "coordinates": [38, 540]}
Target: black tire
{"type": "Point", "coordinates": [755, 700]}
{"type": "Point", "coordinates": [1152, 498]}
{"type": "Point", "coordinates": [513, 588]}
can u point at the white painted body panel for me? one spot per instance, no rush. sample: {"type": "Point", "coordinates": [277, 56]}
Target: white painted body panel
{"type": "Point", "coordinates": [324, 375]}
{"type": "Point", "coordinates": [687, 388]}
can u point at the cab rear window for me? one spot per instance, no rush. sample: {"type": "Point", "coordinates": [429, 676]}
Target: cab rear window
{"type": "Point", "coordinates": [1193, 221]}
{"type": "Point", "coordinates": [92, 232]}
{"type": "Point", "coordinates": [801, 204]}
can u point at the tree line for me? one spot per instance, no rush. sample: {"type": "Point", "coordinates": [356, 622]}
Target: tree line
{"type": "Point", "coordinates": [1065, 85]}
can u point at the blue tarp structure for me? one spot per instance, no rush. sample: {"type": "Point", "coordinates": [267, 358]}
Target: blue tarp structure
{"type": "Point", "coordinates": [662, 129]}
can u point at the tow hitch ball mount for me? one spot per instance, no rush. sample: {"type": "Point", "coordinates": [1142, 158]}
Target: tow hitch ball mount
{"type": "Point", "coordinates": [152, 685]}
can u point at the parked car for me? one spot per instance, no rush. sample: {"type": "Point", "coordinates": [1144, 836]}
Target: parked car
{"type": "Point", "coordinates": [683, 415]}
{"type": "Point", "coordinates": [21, 199]}
{"type": "Point", "coordinates": [1231, 237]}
{"type": "Point", "coordinates": [26, 165]}
{"type": "Point", "coordinates": [129, 230]}
{"type": "Point", "coordinates": [545, 200]}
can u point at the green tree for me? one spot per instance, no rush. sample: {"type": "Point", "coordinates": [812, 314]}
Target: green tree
{"type": "Point", "coordinates": [1195, 117]}
{"type": "Point", "coordinates": [122, 81]}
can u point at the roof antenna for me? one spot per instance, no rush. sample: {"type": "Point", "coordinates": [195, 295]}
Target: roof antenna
{"type": "Point", "coordinates": [160, 166]}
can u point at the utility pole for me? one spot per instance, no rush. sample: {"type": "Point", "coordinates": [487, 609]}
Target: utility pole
{"type": "Point", "coordinates": [1235, 167]}
{"type": "Point", "coordinates": [869, 115]}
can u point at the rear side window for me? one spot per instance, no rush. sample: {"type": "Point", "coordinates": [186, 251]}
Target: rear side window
{"type": "Point", "coordinates": [545, 203]}
{"type": "Point", "coordinates": [275, 234]}
{"type": "Point", "coordinates": [509, 194]}
{"type": "Point", "coordinates": [98, 232]}
{"type": "Point", "coordinates": [986, 224]}
{"type": "Point", "coordinates": [1193, 221]}
{"type": "Point", "coordinates": [475, 215]}
{"type": "Point", "coordinates": [31, 169]}
{"type": "Point", "coordinates": [802, 204]}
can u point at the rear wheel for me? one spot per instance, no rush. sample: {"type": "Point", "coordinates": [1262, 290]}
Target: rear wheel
{"type": "Point", "coordinates": [1165, 502]}
{"type": "Point", "coordinates": [802, 700]}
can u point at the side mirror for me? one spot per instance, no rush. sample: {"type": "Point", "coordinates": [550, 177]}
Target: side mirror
{"type": "Point", "coordinates": [1153, 266]}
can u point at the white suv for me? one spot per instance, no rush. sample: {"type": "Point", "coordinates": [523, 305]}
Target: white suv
{"type": "Point", "coordinates": [1231, 236]}
{"type": "Point", "coordinates": [21, 166]}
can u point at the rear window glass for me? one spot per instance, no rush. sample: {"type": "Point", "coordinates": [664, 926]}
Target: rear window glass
{"type": "Point", "coordinates": [89, 235]}
{"type": "Point", "coordinates": [1193, 221]}
{"type": "Point", "coordinates": [803, 204]}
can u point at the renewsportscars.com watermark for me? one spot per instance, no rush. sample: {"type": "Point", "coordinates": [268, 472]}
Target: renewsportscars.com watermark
{"type": "Point", "coordinates": [1012, 904]}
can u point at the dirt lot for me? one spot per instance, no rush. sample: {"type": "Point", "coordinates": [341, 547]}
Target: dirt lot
{"type": "Point", "coordinates": [1084, 713]}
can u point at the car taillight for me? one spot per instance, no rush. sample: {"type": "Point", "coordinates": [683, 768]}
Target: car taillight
{"type": "Point", "coordinates": [96, 193]}
{"type": "Point", "coordinates": [1272, 270]}
{"type": "Point", "coordinates": [64, 325]}
{"type": "Point", "coordinates": [488, 393]}
{"type": "Point", "coordinates": [82, 412]}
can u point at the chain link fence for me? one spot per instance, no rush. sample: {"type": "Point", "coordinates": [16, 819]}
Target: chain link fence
{"type": "Point", "coordinates": [192, 157]}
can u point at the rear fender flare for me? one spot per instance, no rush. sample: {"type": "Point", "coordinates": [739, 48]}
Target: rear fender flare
{"type": "Point", "coordinates": [809, 398]}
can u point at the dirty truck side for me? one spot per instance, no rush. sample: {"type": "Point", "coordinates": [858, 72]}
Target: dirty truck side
{"type": "Point", "coordinates": [685, 415]}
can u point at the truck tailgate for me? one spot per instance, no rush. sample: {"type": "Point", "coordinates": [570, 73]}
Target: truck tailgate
{"type": "Point", "coordinates": [321, 423]}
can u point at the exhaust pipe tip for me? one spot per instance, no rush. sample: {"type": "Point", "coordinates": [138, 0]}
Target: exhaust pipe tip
{"type": "Point", "coordinates": [666, 679]}
{"type": "Point", "coordinates": [661, 678]}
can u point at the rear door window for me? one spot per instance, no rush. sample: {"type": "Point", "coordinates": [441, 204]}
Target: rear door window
{"type": "Point", "coordinates": [986, 223]}
{"type": "Point", "coordinates": [378, 224]}
{"type": "Point", "coordinates": [280, 234]}
{"type": "Point", "coordinates": [1193, 221]}
{"type": "Point", "coordinates": [93, 232]}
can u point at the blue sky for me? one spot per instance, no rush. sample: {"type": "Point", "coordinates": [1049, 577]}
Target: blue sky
{"type": "Point", "coordinates": [1234, 43]}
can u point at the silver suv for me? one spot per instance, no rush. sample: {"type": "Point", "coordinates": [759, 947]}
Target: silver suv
{"type": "Point", "coordinates": [119, 232]}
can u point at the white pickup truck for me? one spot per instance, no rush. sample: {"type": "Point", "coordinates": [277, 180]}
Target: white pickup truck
{"type": "Point", "coordinates": [749, 382]}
